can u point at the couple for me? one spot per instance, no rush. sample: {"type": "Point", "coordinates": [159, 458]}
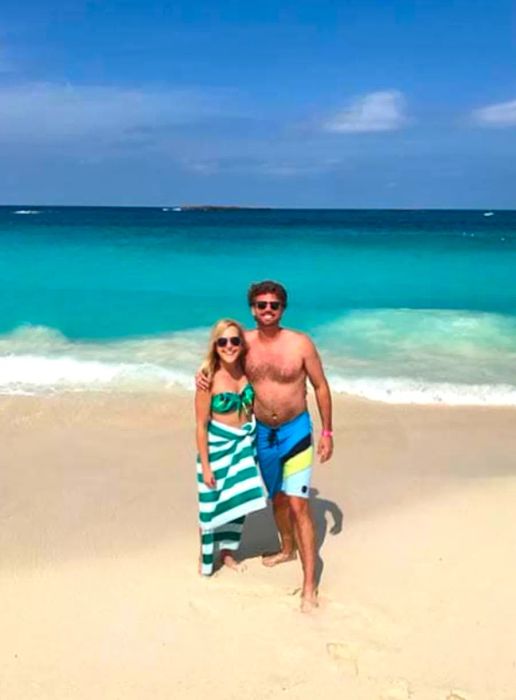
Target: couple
{"type": "Point", "coordinates": [259, 373]}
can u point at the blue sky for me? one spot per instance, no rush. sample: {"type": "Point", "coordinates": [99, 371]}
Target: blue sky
{"type": "Point", "coordinates": [294, 104]}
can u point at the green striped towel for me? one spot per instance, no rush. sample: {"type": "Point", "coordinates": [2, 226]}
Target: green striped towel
{"type": "Point", "coordinates": [238, 491]}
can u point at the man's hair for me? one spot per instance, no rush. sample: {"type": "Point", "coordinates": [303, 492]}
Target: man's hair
{"type": "Point", "coordinates": [267, 287]}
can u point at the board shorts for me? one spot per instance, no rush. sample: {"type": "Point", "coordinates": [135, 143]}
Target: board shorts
{"type": "Point", "coordinates": [285, 456]}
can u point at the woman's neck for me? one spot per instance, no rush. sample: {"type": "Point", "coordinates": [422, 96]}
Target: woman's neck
{"type": "Point", "coordinates": [233, 370]}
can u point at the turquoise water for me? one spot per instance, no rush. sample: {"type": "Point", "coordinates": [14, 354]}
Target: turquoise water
{"type": "Point", "coordinates": [416, 306]}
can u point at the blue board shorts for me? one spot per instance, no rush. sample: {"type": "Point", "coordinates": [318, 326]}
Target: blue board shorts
{"type": "Point", "coordinates": [285, 456]}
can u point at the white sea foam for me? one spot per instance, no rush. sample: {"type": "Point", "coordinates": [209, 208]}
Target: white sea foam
{"type": "Point", "coordinates": [396, 390]}
{"type": "Point", "coordinates": [34, 359]}
{"type": "Point", "coordinates": [395, 356]}
{"type": "Point", "coordinates": [32, 374]}
{"type": "Point", "coordinates": [435, 346]}
{"type": "Point", "coordinates": [27, 211]}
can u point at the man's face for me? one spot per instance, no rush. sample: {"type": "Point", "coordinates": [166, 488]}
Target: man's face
{"type": "Point", "coordinates": [267, 310]}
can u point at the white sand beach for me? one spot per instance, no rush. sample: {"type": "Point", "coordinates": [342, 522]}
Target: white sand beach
{"type": "Point", "coordinates": [101, 596]}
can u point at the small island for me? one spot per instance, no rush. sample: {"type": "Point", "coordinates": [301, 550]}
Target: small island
{"type": "Point", "coordinates": [216, 207]}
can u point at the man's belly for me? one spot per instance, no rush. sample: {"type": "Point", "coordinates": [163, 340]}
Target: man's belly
{"type": "Point", "coordinates": [278, 403]}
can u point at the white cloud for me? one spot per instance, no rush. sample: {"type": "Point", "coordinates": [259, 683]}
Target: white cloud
{"type": "Point", "coordinates": [202, 167]}
{"type": "Point", "coordinates": [275, 167]}
{"type": "Point", "coordinates": [501, 114]}
{"type": "Point", "coordinates": [285, 168]}
{"type": "Point", "coordinates": [43, 112]}
{"type": "Point", "coordinates": [377, 111]}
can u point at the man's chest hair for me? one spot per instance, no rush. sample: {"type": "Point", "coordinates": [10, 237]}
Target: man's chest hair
{"type": "Point", "coordinates": [278, 366]}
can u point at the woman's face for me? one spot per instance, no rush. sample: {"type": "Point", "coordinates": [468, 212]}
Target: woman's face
{"type": "Point", "coordinates": [229, 345]}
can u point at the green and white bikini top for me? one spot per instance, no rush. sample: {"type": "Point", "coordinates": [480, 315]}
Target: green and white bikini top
{"type": "Point", "coordinates": [229, 401]}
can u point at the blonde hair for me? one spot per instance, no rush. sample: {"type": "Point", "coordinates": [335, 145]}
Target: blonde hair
{"type": "Point", "coordinates": [211, 362]}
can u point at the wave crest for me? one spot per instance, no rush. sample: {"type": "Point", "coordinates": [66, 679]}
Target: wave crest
{"type": "Point", "coordinates": [394, 356]}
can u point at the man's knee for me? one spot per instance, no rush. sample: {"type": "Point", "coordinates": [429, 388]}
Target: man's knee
{"type": "Point", "coordinates": [300, 507]}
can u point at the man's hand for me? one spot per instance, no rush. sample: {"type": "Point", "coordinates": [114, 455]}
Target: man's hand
{"type": "Point", "coordinates": [325, 448]}
{"type": "Point", "coordinates": [202, 382]}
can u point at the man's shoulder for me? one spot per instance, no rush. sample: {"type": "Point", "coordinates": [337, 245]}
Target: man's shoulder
{"type": "Point", "coordinates": [298, 338]}
{"type": "Point", "coordinates": [297, 335]}
{"type": "Point", "coordinates": [251, 335]}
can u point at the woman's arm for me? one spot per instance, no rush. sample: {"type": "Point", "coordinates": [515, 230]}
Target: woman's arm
{"type": "Point", "coordinates": [202, 417]}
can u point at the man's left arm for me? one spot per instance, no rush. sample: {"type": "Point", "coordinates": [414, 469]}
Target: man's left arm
{"type": "Point", "coordinates": [315, 372]}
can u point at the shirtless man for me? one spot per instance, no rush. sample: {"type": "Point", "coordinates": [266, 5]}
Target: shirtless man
{"type": "Point", "coordinates": [277, 364]}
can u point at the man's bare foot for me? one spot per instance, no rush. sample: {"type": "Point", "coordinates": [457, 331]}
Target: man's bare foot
{"type": "Point", "coordinates": [278, 558]}
{"type": "Point", "coordinates": [309, 602]}
{"type": "Point", "coordinates": [227, 559]}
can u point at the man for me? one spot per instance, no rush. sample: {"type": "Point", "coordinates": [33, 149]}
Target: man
{"type": "Point", "coordinates": [277, 364]}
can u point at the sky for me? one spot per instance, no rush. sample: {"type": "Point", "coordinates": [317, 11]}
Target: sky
{"type": "Point", "coordinates": [323, 103]}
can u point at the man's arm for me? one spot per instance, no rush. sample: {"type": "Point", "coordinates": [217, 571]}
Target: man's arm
{"type": "Point", "coordinates": [315, 372]}
{"type": "Point", "coordinates": [202, 381]}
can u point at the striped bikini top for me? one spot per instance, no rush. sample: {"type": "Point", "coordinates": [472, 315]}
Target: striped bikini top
{"type": "Point", "coordinates": [229, 401]}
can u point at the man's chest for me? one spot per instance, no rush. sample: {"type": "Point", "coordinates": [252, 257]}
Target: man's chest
{"type": "Point", "coordinates": [282, 365]}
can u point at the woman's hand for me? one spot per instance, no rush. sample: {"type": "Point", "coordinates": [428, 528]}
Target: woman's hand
{"type": "Point", "coordinates": [208, 478]}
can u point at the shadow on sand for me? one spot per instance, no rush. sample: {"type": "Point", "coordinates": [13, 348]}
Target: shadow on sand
{"type": "Point", "coordinates": [260, 534]}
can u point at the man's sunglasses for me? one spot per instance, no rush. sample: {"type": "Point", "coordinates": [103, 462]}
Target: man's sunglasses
{"type": "Point", "coordinates": [235, 340]}
{"type": "Point", "coordinates": [262, 305]}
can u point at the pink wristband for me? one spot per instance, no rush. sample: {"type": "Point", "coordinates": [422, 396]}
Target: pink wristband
{"type": "Point", "coordinates": [327, 433]}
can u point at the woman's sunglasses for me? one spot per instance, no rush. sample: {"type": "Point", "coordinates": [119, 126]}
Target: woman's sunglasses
{"type": "Point", "coordinates": [235, 340]}
{"type": "Point", "coordinates": [262, 305]}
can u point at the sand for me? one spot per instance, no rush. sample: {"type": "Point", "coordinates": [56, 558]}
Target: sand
{"type": "Point", "coordinates": [99, 592]}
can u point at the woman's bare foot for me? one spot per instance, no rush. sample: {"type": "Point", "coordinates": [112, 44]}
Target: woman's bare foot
{"type": "Point", "coordinates": [227, 559]}
{"type": "Point", "coordinates": [309, 602]}
{"type": "Point", "coordinates": [278, 558]}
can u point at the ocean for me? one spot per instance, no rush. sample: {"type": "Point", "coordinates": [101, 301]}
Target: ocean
{"type": "Point", "coordinates": [405, 306]}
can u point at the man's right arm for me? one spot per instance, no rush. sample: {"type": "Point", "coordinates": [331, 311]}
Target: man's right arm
{"type": "Point", "coordinates": [202, 382]}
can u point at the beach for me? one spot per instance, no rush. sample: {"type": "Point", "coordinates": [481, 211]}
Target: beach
{"type": "Point", "coordinates": [101, 597]}
{"type": "Point", "coordinates": [192, 190]}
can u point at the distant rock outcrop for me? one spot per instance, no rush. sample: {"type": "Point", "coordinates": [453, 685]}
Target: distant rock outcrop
{"type": "Point", "coordinates": [214, 207]}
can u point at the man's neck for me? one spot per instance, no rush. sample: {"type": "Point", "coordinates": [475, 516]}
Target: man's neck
{"type": "Point", "coordinates": [269, 332]}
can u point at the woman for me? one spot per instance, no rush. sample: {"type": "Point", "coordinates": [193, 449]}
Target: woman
{"type": "Point", "coordinates": [228, 480]}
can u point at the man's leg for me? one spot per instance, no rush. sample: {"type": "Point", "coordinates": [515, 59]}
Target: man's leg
{"type": "Point", "coordinates": [283, 518]}
{"type": "Point", "coordinates": [305, 531]}
{"type": "Point", "coordinates": [296, 452]}
{"type": "Point", "coordinates": [271, 468]}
